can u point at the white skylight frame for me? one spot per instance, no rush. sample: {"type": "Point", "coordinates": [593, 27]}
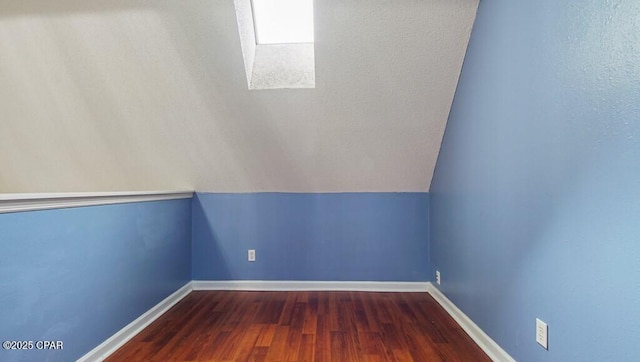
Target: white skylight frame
{"type": "Point", "coordinates": [283, 21]}
{"type": "Point", "coordinates": [273, 66]}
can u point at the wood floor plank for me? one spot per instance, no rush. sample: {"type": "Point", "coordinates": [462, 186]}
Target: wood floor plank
{"type": "Point", "coordinates": [323, 339]}
{"type": "Point", "coordinates": [302, 326]}
{"type": "Point", "coordinates": [266, 335]}
{"type": "Point", "coordinates": [278, 347]}
{"type": "Point", "coordinates": [307, 348]}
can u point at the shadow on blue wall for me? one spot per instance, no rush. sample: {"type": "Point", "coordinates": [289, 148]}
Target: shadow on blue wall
{"type": "Point", "coordinates": [325, 237]}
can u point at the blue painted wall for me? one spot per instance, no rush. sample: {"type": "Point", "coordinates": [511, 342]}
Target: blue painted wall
{"type": "Point", "coordinates": [331, 237]}
{"type": "Point", "coordinates": [535, 202]}
{"type": "Point", "coordinates": [79, 275]}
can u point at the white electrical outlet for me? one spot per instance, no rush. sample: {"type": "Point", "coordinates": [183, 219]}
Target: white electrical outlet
{"type": "Point", "coordinates": [541, 333]}
{"type": "Point", "coordinates": [438, 277]}
{"type": "Point", "coordinates": [252, 255]}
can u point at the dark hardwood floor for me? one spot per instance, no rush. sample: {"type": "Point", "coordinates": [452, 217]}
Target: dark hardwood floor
{"type": "Point", "coordinates": [302, 326]}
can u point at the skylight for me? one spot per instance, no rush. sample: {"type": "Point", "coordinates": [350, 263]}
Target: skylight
{"type": "Point", "coordinates": [283, 21]}
{"type": "Point", "coordinates": [276, 37]}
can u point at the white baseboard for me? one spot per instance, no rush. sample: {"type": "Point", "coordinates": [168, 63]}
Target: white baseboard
{"type": "Point", "coordinates": [488, 345]}
{"type": "Point", "coordinates": [295, 285]}
{"type": "Point", "coordinates": [106, 348]}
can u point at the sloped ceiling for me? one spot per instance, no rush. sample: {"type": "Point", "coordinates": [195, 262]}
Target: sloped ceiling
{"type": "Point", "coordinates": [146, 95]}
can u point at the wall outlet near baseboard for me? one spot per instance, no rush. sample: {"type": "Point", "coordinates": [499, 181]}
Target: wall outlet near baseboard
{"type": "Point", "coordinates": [251, 255]}
{"type": "Point", "coordinates": [438, 277]}
{"type": "Point", "coordinates": [541, 333]}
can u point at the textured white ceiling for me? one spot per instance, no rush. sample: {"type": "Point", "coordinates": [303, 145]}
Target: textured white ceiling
{"type": "Point", "coordinates": [140, 95]}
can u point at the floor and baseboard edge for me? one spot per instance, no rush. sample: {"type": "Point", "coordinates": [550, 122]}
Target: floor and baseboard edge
{"type": "Point", "coordinates": [488, 345]}
{"type": "Point", "coordinates": [295, 285]}
{"type": "Point", "coordinates": [106, 348]}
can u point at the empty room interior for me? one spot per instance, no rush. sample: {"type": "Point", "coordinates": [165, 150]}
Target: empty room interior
{"type": "Point", "coordinates": [320, 180]}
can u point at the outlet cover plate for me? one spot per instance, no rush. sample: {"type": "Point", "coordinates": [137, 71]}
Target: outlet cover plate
{"type": "Point", "coordinates": [541, 333]}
